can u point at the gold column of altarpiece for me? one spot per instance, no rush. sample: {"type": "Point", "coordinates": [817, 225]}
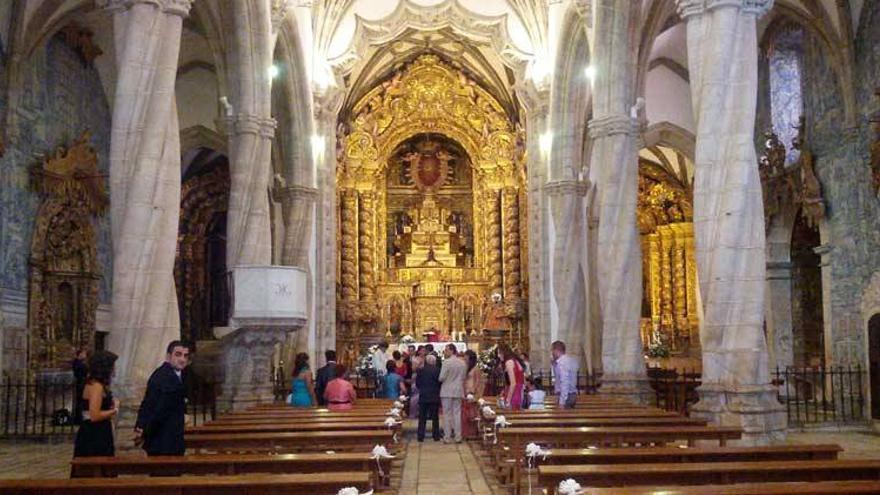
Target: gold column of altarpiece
{"type": "Point", "coordinates": [665, 216]}
{"type": "Point", "coordinates": [429, 187]}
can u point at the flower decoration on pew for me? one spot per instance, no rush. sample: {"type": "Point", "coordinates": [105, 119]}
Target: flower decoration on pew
{"type": "Point", "coordinates": [350, 490]}
{"type": "Point", "coordinates": [501, 421]}
{"type": "Point", "coordinates": [534, 450]}
{"type": "Point", "coordinates": [469, 397]}
{"type": "Point", "coordinates": [394, 413]}
{"type": "Point", "coordinates": [379, 453]}
{"type": "Point", "coordinates": [390, 422]}
{"type": "Point", "coordinates": [397, 404]}
{"type": "Point", "coordinates": [569, 487]}
{"type": "Point", "coordinates": [488, 412]}
{"type": "Point", "coordinates": [402, 398]}
{"type": "Point", "coordinates": [481, 401]}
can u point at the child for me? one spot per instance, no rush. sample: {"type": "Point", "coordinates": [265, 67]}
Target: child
{"type": "Point", "coordinates": [535, 394]}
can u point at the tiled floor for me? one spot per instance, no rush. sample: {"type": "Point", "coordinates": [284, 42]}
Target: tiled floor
{"type": "Point", "coordinates": [439, 469]}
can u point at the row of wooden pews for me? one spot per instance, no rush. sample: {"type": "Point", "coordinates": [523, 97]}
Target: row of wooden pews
{"type": "Point", "coordinates": [607, 445]}
{"type": "Point", "coordinates": [270, 449]}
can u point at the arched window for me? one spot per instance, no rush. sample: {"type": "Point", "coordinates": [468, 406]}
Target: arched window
{"type": "Point", "coordinates": [785, 55]}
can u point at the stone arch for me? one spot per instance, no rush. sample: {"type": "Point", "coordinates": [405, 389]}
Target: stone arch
{"type": "Point", "coordinates": [672, 136]}
{"type": "Point", "coordinates": [571, 101]}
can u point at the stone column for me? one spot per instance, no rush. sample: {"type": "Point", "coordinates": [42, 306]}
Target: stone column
{"type": "Point", "coordinates": [729, 219]}
{"type": "Point", "coordinates": [779, 326]}
{"type": "Point", "coordinates": [568, 203]}
{"type": "Point", "coordinates": [297, 204]}
{"type": "Point", "coordinates": [250, 128]}
{"type": "Point", "coordinates": [493, 226]}
{"type": "Point", "coordinates": [615, 158]}
{"type": "Point", "coordinates": [144, 186]}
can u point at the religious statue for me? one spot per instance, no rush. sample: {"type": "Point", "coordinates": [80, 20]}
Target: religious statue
{"type": "Point", "coordinates": [495, 317]}
{"type": "Point", "coordinates": [811, 190]}
{"type": "Point", "coordinates": [875, 149]}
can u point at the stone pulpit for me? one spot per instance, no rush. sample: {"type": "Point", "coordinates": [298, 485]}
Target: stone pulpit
{"type": "Point", "coordinates": [268, 303]}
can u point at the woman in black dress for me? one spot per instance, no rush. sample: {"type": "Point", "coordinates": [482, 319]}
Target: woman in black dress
{"type": "Point", "coordinates": [95, 435]}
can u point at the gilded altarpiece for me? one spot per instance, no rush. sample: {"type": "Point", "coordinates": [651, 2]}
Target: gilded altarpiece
{"type": "Point", "coordinates": [665, 218]}
{"type": "Point", "coordinates": [64, 273]}
{"type": "Point", "coordinates": [430, 189]}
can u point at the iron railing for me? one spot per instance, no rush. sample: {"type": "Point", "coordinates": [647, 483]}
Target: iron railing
{"type": "Point", "coordinates": [822, 394]}
{"type": "Point", "coordinates": [37, 406]}
{"type": "Point", "coordinates": [45, 407]}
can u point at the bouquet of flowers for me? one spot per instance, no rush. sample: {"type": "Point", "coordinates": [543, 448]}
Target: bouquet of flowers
{"type": "Point", "coordinates": [407, 339]}
{"type": "Point", "coordinates": [487, 359]}
{"type": "Point", "coordinates": [365, 361]}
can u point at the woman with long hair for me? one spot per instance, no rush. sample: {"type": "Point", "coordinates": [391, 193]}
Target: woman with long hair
{"type": "Point", "coordinates": [303, 391]}
{"type": "Point", "coordinates": [473, 390]}
{"type": "Point", "coordinates": [514, 377]}
{"type": "Point", "coordinates": [95, 434]}
{"type": "Point", "coordinates": [400, 366]}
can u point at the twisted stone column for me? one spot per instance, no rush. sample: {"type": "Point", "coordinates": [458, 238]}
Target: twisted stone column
{"type": "Point", "coordinates": [250, 128]}
{"type": "Point", "coordinates": [568, 207]}
{"type": "Point", "coordinates": [615, 157]}
{"type": "Point", "coordinates": [144, 185]}
{"type": "Point", "coordinates": [728, 217]}
{"type": "Point", "coordinates": [495, 258]}
{"type": "Point", "coordinates": [297, 203]}
{"type": "Point", "coordinates": [512, 263]}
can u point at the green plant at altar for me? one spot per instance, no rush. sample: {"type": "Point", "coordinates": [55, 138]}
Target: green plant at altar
{"type": "Point", "coordinates": [365, 361]}
{"type": "Point", "coordinates": [488, 359]}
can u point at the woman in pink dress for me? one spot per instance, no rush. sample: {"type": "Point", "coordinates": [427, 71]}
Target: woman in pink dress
{"type": "Point", "coordinates": [513, 377]}
{"type": "Point", "coordinates": [340, 393]}
{"type": "Point", "coordinates": [473, 385]}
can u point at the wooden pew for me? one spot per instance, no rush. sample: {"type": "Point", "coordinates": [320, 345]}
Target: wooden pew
{"type": "Point", "coordinates": [281, 425]}
{"type": "Point", "coordinates": [569, 421]}
{"type": "Point", "coordinates": [709, 473]}
{"type": "Point", "coordinates": [277, 484]}
{"type": "Point", "coordinates": [229, 464]}
{"type": "Point", "coordinates": [705, 454]}
{"type": "Point", "coordinates": [312, 441]}
{"type": "Point", "coordinates": [594, 413]}
{"type": "Point", "coordinates": [514, 439]}
{"type": "Point", "coordinates": [796, 488]}
{"type": "Point", "coordinates": [293, 420]}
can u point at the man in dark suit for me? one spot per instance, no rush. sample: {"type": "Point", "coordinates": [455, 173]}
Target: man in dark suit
{"type": "Point", "coordinates": [160, 419]}
{"type": "Point", "coordinates": [428, 383]}
{"type": "Point", "coordinates": [324, 375]}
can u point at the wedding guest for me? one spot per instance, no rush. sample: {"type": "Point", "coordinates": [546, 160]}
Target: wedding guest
{"type": "Point", "coordinates": [399, 364]}
{"type": "Point", "coordinates": [303, 393]}
{"type": "Point", "coordinates": [324, 375]}
{"type": "Point", "coordinates": [95, 434]}
{"type": "Point", "coordinates": [565, 369]}
{"type": "Point", "coordinates": [513, 377]}
{"type": "Point", "coordinates": [527, 366]}
{"type": "Point", "coordinates": [535, 394]}
{"type": "Point", "coordinates": [418, 361]}
{"type": "Point", "coordinates": [473, 386]}
{"type": "Point", "coordinates": [340, 394]}
{"type": "Point", "coordinates": [394, 385]}
{"type": "Point", "coordinates": [428, 382]}
{"type": "Point", "coordinates": [160, 422]}
{"type": "Point", "coordinates": [452, 375]}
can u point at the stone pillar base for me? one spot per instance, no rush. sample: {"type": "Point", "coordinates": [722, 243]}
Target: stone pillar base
{"type": "Point", "coordinates": [247, 366]}
{"type": "Point", "coordinates": [635, 388]}
{"type": "Point", "coordinates": [755, 409]}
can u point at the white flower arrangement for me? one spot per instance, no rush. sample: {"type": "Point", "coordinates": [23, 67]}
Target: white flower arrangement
{"type": "Point", "coordinates": [394, 413]}
{"type": "Point", "coordinates": [501, 421]}
{"type": "Point", "coordinates": [569, 487]}
{"type": "Point", "coordinates": [365, 361]}
{"type": "Point", "coordinates": [407, 339]}
{"type": "Point", "coordinates": [352, 491]}
{"type": "Point", "coordinates": [469, 397]}
{"type": "Point", "coordinates": [380, 452]}
{"type": "Point", "coordinates": [390, 422]}
{"type": "Point", "coordinates": [398, 404]}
